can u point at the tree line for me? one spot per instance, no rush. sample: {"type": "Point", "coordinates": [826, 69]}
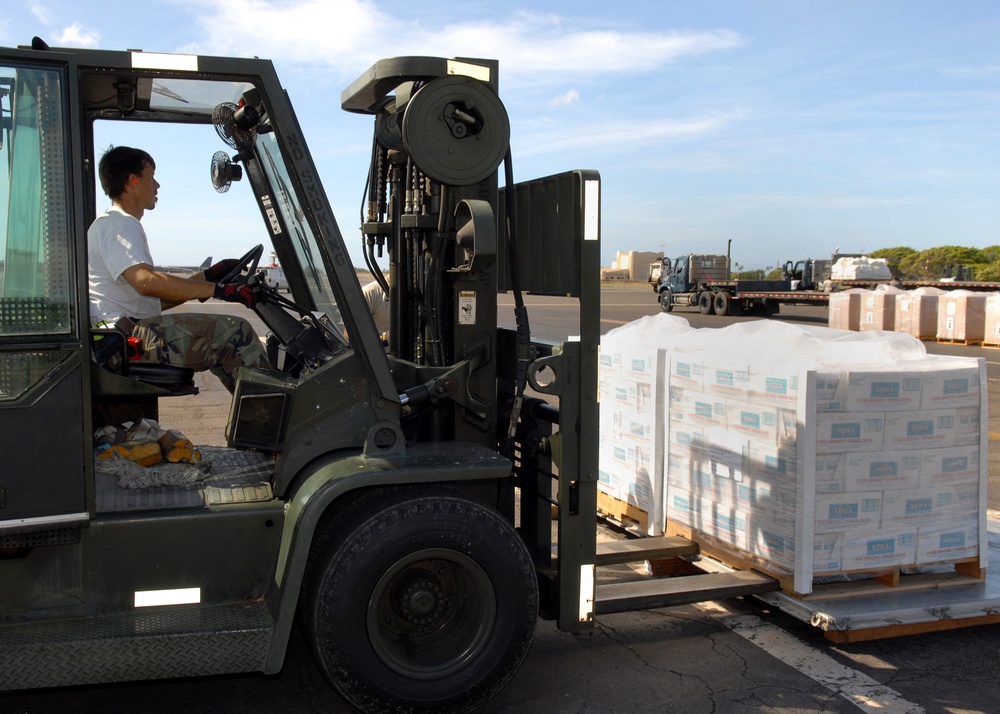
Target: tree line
{"type": "Point", "coordinates": [947, 261]}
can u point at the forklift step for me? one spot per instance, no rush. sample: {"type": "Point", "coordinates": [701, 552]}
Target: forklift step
{"type": "Point", "coordinates": [637, 550]}
{"type": "Point", "coordinates": [670, 592]}
{"type": "Point", "coordinates": [145, 643]}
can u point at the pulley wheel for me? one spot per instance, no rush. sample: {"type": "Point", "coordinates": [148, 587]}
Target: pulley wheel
{"type": "Point", "coordinates": [387, 128]}
{"type": "Point", "coordinates": [456, 130]}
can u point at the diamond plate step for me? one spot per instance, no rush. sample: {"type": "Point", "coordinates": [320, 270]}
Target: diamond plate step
{"type": "Point", "coordinates": [145, 643]}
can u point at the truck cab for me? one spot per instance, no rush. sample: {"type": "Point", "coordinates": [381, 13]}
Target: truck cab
{"type": "Point", "coordinates": [371, 492]}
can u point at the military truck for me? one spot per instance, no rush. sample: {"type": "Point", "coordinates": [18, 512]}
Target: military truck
{"type": "Point", "coordinates": [395, 500]}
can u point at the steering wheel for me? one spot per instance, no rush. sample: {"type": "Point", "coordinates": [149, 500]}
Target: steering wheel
{"type": "Point", "coordinates": [248, 262]}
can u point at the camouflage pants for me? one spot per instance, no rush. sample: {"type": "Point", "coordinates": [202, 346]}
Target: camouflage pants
{"type": "Point", "coordinates": [218, 343]}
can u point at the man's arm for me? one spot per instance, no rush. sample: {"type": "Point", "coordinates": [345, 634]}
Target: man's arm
{"type": "Point", "coordinates": [170, 289]}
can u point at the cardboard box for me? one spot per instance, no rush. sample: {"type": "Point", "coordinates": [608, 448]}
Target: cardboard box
{"type": "Point", "coordinates": [878, 311]}
{"type": "Point", "coordinates": [868, 471]}
{"type": "Point", "coordinates": [697, 408]}
{"type": "Point", "coordinates": [931, 506]}
{"type": "Point", "coordinates": [916, 314]}
{"type": "Point", "coordinates": [946, 467]}
{"type": "Point", "coordinates": [871, 391]}
{"type": "Point", "coordinates": [839, 433]}
{"type": "Point", "coordinates": [885, 548]}
{"type": "Point", "coordinates": [836, 513]}
{"type": "Point", "coordinates": [928, 429]}
{"type": "Point", "coordinates": [957, 541]}
{"type": "Point", "coordinates": [947, 388]}
{"type": "Point", "coordinates": [962, 316]}
{"type": "Point", "coordinates": [844, 310]}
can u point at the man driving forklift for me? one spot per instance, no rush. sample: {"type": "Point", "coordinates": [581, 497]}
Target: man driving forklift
{"type": "Point", "coordinates": [127, 293]}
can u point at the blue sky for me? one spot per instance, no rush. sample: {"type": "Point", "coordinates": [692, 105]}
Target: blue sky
{"type": "Point", "coordinates": [790, 128]}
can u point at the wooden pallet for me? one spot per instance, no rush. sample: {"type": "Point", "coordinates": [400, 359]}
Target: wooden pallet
{"type": "Point", "coordinates": [625, 515]}
{"type": "Point", "coordinates": [991, 345]}
{"type": "Point", "coordinates": [966, 342]}
{"type": "Point", "coordinates": [845, 637]}
{"type": "Point", "coordinates": [870, 582]}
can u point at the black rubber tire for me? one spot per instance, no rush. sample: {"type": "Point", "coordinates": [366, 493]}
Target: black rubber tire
{"type": "Point", "coordinates": [666, 301]}
{"type": "Point", "coordinates": [720, 303]}
{"type": "Point", "coordinates": [425, 601]}
{"type": "Point", "coordinates": [705, 302]}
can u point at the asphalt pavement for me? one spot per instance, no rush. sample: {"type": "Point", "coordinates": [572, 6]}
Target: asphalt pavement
{"type": "Point", "coordinates": [737, 656]}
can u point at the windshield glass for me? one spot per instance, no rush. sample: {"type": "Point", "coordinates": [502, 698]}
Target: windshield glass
{"type": "Point", "coordinates": [301, 235]}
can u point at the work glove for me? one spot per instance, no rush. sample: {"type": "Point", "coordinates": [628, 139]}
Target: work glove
{"type": "Point", "coordinates": [238, 292]}
{"type": "Point", "coordinates": [218, 271]}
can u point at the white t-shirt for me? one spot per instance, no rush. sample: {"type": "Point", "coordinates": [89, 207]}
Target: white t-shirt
{"type": "Point", "coordinates": [116, 242]}
{"type": "Point", "coordinates": [378, 305]}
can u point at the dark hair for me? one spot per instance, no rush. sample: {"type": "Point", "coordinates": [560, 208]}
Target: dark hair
{"type": "Point", "coordinates": [117, 164]}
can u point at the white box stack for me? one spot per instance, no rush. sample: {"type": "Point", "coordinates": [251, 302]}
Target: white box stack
{"type": "Point", "coordinates": [858, 453]}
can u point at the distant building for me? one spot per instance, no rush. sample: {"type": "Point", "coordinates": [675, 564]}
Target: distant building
{"type": "Point", "coordinates": [634, 264]}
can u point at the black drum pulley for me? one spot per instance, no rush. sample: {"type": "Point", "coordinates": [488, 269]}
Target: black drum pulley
{"type": "Point", "coordinates": [456, 130]}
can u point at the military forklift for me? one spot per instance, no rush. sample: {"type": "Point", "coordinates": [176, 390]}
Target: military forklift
{"type": "Point", "coordinates": [397, 500]}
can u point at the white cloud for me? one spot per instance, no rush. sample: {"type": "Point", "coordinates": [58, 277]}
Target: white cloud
{"type": "Point", "coordinates": [41, 12]}
{"type": "Point", "coordinates": [612, 136]}
{"type": "Point", "coordinates": [349, 35]}
{"type": "Point", "coordinates": [563, 99]}
{"type": "Point", "coordinates": [76, 35]}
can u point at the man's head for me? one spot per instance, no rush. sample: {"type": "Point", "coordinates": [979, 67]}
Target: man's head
{"type": "Point", "coordinates": [119, 166]}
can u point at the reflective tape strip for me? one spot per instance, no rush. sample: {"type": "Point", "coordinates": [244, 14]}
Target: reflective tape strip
{"type": "Point", "coordinates": [177, 596]}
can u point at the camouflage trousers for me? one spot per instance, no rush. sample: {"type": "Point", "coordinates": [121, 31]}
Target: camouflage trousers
{"type": "Point", "coordinates": [218, 343]}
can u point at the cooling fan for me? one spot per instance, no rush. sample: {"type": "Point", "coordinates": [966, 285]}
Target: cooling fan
{"type": "Point", "coordinates": [224, 171]}
{"type": "Point", "coordinates": [236, 125]}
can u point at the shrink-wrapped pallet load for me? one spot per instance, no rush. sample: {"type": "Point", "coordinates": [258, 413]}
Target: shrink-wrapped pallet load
{"type": "Point", "coordinates": [814, 452]}
{"type": "Point", "coordinates": [962, 317]}
{"type": "Point", "coordinates": [917, 312]}
{"type": "Point", "coordinates": [845, 309]}
{"type": "Point", "coordinates": [878, 309]}
{"type": "Point", "coordinates": [991, 321]}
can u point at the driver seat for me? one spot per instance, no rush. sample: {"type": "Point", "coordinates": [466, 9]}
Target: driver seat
{"type": "Point", "coordinates": [111, 351]}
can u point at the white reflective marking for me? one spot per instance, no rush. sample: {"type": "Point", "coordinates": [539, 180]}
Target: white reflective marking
{"type": "Point", "coordinates": [465, 69]}
{"type": "Point", "coordinates": [177, 596]}
{"type": "Point", "coordinates": [861, 690]}
{"type": "Point", "coordinates": [591, 209]}
{"type": "Point", "coordinates": [586, 593]}
{"type": "Point", "coordinates": [157, 60]}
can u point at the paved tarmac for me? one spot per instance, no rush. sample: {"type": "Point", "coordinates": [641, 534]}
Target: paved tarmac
{"type": "Point", "coordinates": [737, 656]}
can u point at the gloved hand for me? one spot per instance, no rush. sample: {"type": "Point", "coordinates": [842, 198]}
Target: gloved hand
{"type": "Point", "coordinates": [218, 271]}
{"type": "Point", "coordinates": [238, 292]}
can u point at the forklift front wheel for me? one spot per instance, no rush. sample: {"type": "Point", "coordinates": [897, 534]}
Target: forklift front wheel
{"type": "Point", "coordinates": [426, 601]}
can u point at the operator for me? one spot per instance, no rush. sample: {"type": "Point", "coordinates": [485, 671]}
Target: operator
{"type": "Point", "coordinates": [378, 305]}
{"type": "Point", "coordinates": [127, 292]}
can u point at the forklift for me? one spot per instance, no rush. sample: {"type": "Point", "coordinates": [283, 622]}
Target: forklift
{"type": "Point", "coordinates": [413, 505]}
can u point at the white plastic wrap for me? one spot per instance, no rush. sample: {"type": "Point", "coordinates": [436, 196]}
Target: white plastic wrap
{"type": "Point", "coordinates": [790, 444]}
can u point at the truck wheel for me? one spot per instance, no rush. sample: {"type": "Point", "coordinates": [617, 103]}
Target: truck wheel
{"type": "Point", "coordinates": [705, 302]}
{"type": "Point", "coordinates": [424, 601]}
{"type": "Point", "coordinates": [721, 304]}
{"type": "Point", "coordinates": [666, 301]}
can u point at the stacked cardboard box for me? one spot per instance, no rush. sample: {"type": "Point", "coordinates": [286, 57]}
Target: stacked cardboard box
{"type": "Point", "coordinates": [817, 452]}
{"type": "Point", "coordinates": [845, 309]}
{"type": "Point", "coordinates": [878, 310]}
{"type": "Point", "coordinates": [991, 321]}
{"type": "Point", "coordinates": [962, 316]}
{"type": "Point", "coordinates": [916, 312]}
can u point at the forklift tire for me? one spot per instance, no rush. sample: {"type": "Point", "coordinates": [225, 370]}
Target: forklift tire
{"type": "Point", "coordinates": [424, 601]}
{"type": "Point", "coordinates": [705, 302]}
{"type": "Point", "coordinates": [721, 304]}
{"type": "Point", "coordinates": [666, 301]}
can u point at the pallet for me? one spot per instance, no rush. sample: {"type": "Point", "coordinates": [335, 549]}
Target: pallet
{"type": "Point", "coordinates": [846, 637]}
{"type": "Point", "coordinates": [966, 342]}
{"type": "Point", "coordinates": [991, 345]}
{"type": "Point", "coordinates": [627, 516]}
{"type": "Point", "coordinates": [874, 582]}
